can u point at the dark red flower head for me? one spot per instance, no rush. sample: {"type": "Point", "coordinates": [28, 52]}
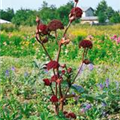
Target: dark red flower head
{"type": "Point", "coordinates": [86, 61]}
{"type": "Point", "coordinates": [54, 78]}
{"type": "Point", "coordinates": [69, 70]}
{"type": "Point", "coordinates": [72, 115]}
{"type": "Point", "coordinates": [54, 25]}
{"type": "Point", "coordinates": [45, 40]}
{"type": "Point", "coordinates": [54, 99]}
{"type": "Point", "coordinates": [43, 29]}
{"type": "Point", "coordinates": [52, 65]}
{"type": "Point", "coordinates": [76, 1]}
{"type": "Point", "coordinates": [85, 44]}
{"type": "Point", "coordinates": [47, 82]}
{"type": "Point", "coordinates": [76, 12]}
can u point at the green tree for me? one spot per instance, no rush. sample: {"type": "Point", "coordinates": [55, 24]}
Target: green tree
{"type": "Point", "coordinates": [64, 11]}
{"type": "Point", "coordinates": [102, 17]}
{"type": "Point", "coordinates": [7, 14]}
{"type": "Point", "coordinates": [115, 18]}
{"type": "Point", "coordinates": [24, 17]}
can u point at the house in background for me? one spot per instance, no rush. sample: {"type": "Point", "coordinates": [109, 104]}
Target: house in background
{"type": "Point", "coordinates": [4, 21]}
{"type": "Point", "coordinates": [88, 16]}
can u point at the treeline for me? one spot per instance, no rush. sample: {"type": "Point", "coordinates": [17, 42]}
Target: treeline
{"type": "Point", "coordinates": [106, 13]}
{"type": "Point", "coordinates": [47, 13]}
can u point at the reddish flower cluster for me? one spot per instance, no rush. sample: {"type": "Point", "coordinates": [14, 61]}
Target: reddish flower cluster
{"type": "Point", "coordinates": [76, 1]}
{"type": "Point", "coordinates": [86, 61]}
{"type": "Point", "coordinates": [52, 64]}
{"type": "Point", "coordinates": [45, 40]}
{"type": "Point", "coordinates": [47, 82]}
{"type": "Point", "coordinates": [54, 25]}
{"type": "Point", "coordinates": [43, 29]}
{"type": "Point", "coordinates": [85, 44]}
{"type": "Point", "coordinates": [54, 99]}
{"type": "Point", "coordinates": [54, 78]}
{"type": "Point", "coordinates": [69, 115]}
{"type": "Point", "coordinates": [75, 13]}
{"type": "Point", "coordinates": [69, 70]}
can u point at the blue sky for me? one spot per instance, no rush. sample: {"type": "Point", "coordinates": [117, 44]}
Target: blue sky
{"type": "Point", "coordinates": [35, 4]}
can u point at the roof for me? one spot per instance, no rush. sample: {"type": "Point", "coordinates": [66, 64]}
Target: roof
{"type": "Point", "coordinates": [4, 21]}
{"type": "Point", "coordinates": [86, 8]}
{"type": "Point", "coordinates": [90, 18]}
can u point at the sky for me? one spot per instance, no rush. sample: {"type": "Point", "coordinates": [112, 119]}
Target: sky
{"type": "Point", "coordinates": [36, 4]}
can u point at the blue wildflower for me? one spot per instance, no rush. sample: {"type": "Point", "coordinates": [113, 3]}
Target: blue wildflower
{"type": "Point", "coordinates": [7, 73]}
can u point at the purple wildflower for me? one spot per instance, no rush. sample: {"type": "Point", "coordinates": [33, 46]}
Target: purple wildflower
{"type": "Point", "coordinates": [107, 82]}
{"type": "Point", "coordinates": [91, 66]}
{"type": "Point", "coordinates": [13, 68]}
{"type": "Point", "coordinates": [7, 73]}
{"type": "Point", "coordinates": [88, 106]}
{"type": "Point", "coordinates": [101, 86]}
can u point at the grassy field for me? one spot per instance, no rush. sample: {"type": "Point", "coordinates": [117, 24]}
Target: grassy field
{"type": "Point", "coordinates": [22, 93]}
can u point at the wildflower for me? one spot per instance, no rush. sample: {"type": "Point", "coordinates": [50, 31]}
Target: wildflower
{"type": "Point", "coordinates": [91, 66]}
{"type": "Point", "coordinates": [65, 112]}
{"type": "Point", "coordinates": [47, 82]}
{"type": "Point", "coordinates": [75, 13]}
{"type": "Point", "coordinates": [118, 40]}
{"type": "Point", "coordinates": [64, 41]}
{"type": "Point", "coordinates": [43, 29]}
{"type": "Point", "coordinates": [72, 115]}
{"type": "Point", "coordinates": [54, 78]}
{"type": "Point", "coordinates": [107, 82]}
{"type": "Point", "coordinates": [101, 86]}
{"type": "Point", "coordinates": [63, 72]}
{"type": "Point", "coordinates": [52, 64]}
{"type": "Point", "coordinates": [69, 70]}
{"type": "Point", "coordinates": [45, 40]}
{"type": "Point", "coordinates": [86, 61]}
{"type": "Point", "coordinates": [76, 1]}
{"type": "Point", "coordinates": [54, 99]}
{"type": "Point", "coordinates": [85, 44]}
{"type": "Point", "coordinates": [13, 68]}
{"type": "Point", "coordinates": [54, 25]}
{"type": "Point", "coordinates": [88, 106]}
{"type": "Point", "coordinates": [7, 73]}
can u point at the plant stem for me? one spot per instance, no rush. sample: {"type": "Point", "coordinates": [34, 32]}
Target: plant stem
{"type": "Point", "coordinates": [44, 48]}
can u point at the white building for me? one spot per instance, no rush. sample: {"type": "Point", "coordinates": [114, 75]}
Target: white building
{"type": "Point", "coordinates": [88, 16]}
{"type": "Point", "coordinates": [4, 21]}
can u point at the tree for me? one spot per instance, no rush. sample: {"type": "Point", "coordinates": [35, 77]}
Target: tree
{"type": "Point", "coordinates": [24, 17]}
{"type": "Point", "coordinates": [64, 11]}
{"type": "Point", "coordinates": [102, 7]}
{"type": "Point", "coordinates": [102, 17]}
{"type": "Point", "coordinates": [115, 18]}
{"type": "Point", "coordinates": [8, 14]}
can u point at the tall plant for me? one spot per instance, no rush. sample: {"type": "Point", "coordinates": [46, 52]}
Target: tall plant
{"type": "Point", "coordinates": [61, 73]}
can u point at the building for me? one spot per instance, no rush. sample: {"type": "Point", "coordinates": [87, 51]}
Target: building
{"type": "Point", "coordinates": [88, 16]}
{"type": "Point", "coordinates": [4, 21]}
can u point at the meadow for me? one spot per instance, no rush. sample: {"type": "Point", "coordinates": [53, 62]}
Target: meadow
{"type": "Point", "coordinates": [22, 93]}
